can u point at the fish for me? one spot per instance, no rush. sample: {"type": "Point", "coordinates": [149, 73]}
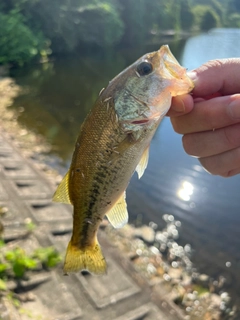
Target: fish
{"type": "Point", "coordinates": [112, 144]}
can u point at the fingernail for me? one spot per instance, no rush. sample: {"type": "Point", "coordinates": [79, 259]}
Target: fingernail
{"type": "Point", "coordinates": [234, 108]}
{"type": "Point", "coordinates": [192, 75]}
{"type": "Point", "coordinates": [178, 105]}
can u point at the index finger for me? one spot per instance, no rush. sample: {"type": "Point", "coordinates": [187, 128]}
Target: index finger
{"type": "Point", "coordinates": [209, 115]}
{"type": "Point", "coordinates": [217, 76]}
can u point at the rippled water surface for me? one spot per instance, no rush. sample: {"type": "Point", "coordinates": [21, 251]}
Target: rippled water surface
{"type": "Point", "coordinates": [56, 99]}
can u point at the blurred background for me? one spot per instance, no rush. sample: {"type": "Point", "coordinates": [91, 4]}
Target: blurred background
{"type": "Point", "coordinates": [62, 52]}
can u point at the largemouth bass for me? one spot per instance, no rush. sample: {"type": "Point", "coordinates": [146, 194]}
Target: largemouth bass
{"type": "Point", "coordinates": [114, 142]}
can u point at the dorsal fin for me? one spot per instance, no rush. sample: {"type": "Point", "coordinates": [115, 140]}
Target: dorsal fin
{"type": "Point", "coordinates": [143, 163]}
{"type": "Point", "coordinates": [62, 192]}
{"type": "Point", "coordinates": [118, 215]}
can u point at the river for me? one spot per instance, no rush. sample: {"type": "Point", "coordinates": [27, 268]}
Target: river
{"type": "Point", "coordinates": [56, 99]}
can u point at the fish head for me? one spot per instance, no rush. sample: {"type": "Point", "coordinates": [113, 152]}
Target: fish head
{"type": "Point", "coordinates": [144, 90]}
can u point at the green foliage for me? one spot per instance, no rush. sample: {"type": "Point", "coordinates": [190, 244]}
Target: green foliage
{"type": "Point", "coordinates": [3, 285]}
{"type": "Point", "coordinates": [186, 15]}
{"type": "Point", "coordinates": [218, 6]}
{"type": "Point", "coordinates": [234, 20]}
{"type": "Point", "coordinates": [16, 262]}
{"type": "Point", "coordinates": [209, 20]}
{"type": "Point", "coordinates": [30, 226]}
{"type": "Point", "coordinates": [142, 17]}
{"type": "Point", "coordinates": [18, 44]}
{"type": "Point", "coordinates": [36, 28]}
{"type": "Point", "coordinates": [205, 18]}
{"type": "Point", "coordinates": [19, 261]}
{"type": "Point", "coordinates": [134, 20]}
{"type": "Point", "coordinates": [109, 28]}
{"type": "Point", "coordinates": [170, 15]}
{"type": "Point", "coordinates": [48, 256]}
{"type": "Point", "coordinates": [234, 5]}
{"type": "Point", "coordinates": [70, 23]}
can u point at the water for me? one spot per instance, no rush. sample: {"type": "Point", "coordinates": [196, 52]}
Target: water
{"type": "Point", "coordinates": [57, 98]}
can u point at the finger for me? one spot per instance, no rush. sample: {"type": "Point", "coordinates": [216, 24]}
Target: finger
{"type": "Point", "coordinates": [231, 173]}
{"type": "Point", "coordinates": [209, 114]}
{"type": "Point", "coordinates": [209, 143]}
{"type": "Point", "coordinates": [224, 164]}
{"type": "Point", "coordinates": [180, 105]}
{"type": "Point", "coordinates": [217, 76]}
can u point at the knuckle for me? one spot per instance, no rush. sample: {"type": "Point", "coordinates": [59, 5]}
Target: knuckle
{"type": "Point", "coordinates": [176, 123]}
{"type": "Point", "coordinates": [217, 63]}
{"type": "Point", "coordinates": [224, 164]}
{"type": "Point", "coordinates": [227, 174]}
{"type": "Point", "coordinates": [229, 138]}
{"type": "Point", "coordinates": [188, 145]}
{"type": "Point", "coordinates": [209, 165]}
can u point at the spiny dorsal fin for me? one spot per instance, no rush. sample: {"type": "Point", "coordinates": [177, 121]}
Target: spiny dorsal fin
{"type": "Point", "coordinates": [62, 192]}
{"type": "Point", "coordinates": [143, 163]}
{"type": "Point", "coordinates": [118, 215]}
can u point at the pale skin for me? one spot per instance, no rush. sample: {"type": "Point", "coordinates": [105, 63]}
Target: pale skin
{"type": "Point", "coordinates": [209, 118]}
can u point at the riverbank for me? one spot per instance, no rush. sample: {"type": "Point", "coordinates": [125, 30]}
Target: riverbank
{"type": "Point", "coordinates": [154, 253]}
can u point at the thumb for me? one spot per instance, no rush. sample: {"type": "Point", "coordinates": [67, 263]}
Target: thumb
{"type": "Point", "coordinates": [180, 105]}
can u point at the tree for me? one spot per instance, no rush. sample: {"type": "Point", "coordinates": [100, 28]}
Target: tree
{"type": "Point", "coordinates": [234, 20]}
{"type": "Point", "coordinates": [69, 23]}
{"type": "Point", "coordinates": [205, 17]}
{"type": "Point", "coordinates": [209, 20]}
{"type": "Point", "coordinates": [234, 5]}
{"type": "Point", "coordinates": [186, 15]}
{"type": "Point", "coordinates": [18, 44]}
{"type": "Point", "coordinates": [218, 6]}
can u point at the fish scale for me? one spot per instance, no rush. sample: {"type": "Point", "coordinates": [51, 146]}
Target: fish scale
{"type": "Point", "coordinates": [114, 142]}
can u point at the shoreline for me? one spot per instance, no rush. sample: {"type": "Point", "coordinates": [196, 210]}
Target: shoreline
{"type": "Point", "coordinates": [154, 253]}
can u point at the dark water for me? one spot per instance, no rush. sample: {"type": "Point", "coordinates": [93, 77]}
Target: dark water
{"type": "Point", "coordinates": [57, 98]}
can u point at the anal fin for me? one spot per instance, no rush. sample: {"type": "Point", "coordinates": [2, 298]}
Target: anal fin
{"type": "Point", "coordinates": [143, 163]}
{"type": "Point", "coordinates": [118, 215]}
{"type": "Point", "coordinates": [62, 192]}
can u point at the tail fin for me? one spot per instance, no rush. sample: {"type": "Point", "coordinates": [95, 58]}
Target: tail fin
{"type": "Point", "coordinates": [89, 258]}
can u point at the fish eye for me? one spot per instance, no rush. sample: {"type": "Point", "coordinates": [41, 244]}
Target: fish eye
{"type": "Point", "coordinates": [144, 68]}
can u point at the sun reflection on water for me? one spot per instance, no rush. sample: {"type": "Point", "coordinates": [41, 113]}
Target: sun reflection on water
{"type": "Point", "coordinates": [185, 191]}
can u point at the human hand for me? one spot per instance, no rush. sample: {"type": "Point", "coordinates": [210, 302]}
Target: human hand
{"type": "Point", "coordinates": [210, 119]}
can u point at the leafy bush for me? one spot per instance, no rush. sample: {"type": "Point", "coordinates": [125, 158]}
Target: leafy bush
{"type": "Point", "coordinates": [209, 20]}
{"type": "Point", "coordinates": [16, 262]}
{"type": "Point", "coordinates": [47, 256]}
{"type": "Point", "coordinates": [19, 262]}
{"type": "Point", "coordinates": [234, 20]}
{"type": "Point", "coordinates": [18, 44]}
{"type": "Point", "coordinates": [71, 23]}
{"type": "Point", "coordinates": [107, 28]}
{"type": "Point", "coordinates": [186, 15]}
{"type": "Point", "coordinates": [205, 17]}
{"type": "Point", "coordinates": [30, 27]}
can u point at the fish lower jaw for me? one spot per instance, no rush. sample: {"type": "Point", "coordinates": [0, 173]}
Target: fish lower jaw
{"type": "Point", "coordinates": [153, 117]}
{"type": "Point", "coordinates": [140, 121]}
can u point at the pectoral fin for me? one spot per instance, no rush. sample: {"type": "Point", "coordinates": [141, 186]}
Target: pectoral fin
{"type": "Point", "coordinates": [118, 215]}
{"type": "Point", "coordinates": [143, 163]}
{"type": "Point", "coordinates": [62, 192]}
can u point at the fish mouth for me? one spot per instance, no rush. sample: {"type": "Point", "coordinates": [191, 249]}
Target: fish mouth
{"type": "Point", "coordinates": [172, 70]}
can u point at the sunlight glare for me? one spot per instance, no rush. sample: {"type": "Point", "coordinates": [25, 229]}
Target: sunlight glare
{"type": "Point", "coordinates": [185, 191]}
